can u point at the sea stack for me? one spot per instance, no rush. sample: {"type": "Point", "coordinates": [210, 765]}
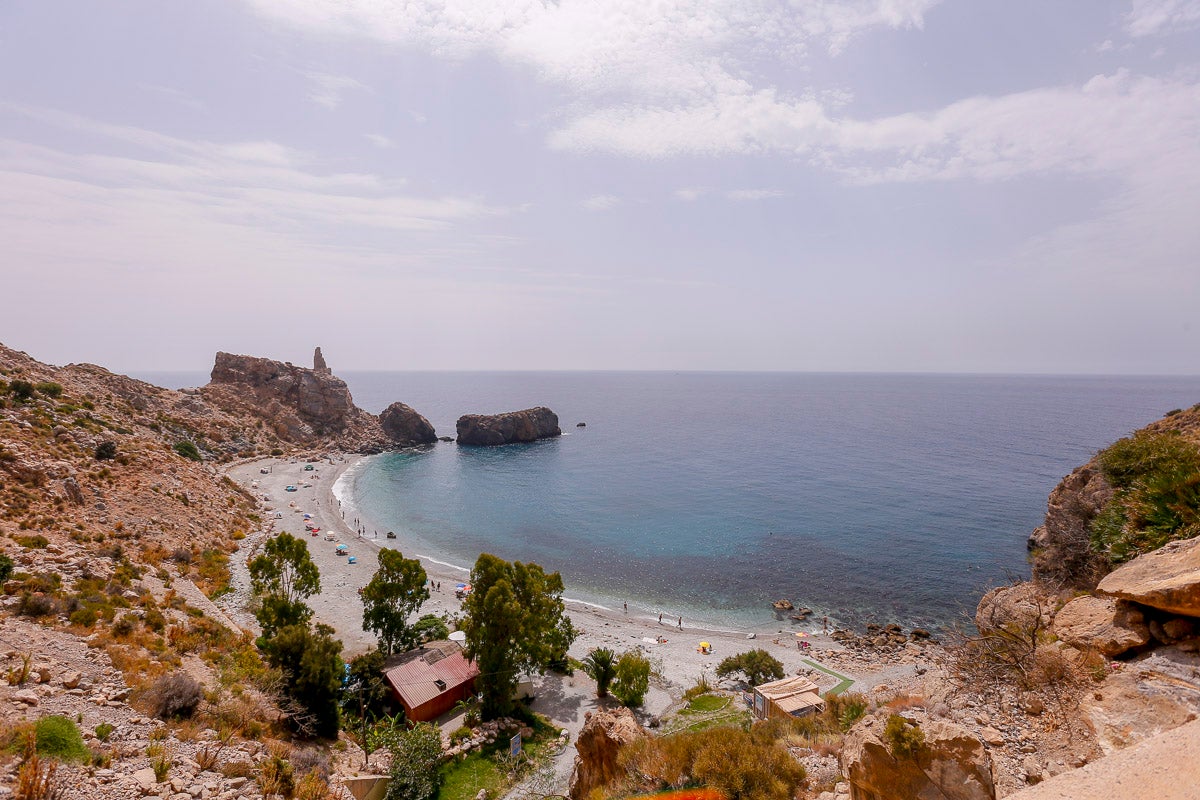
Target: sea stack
{"type": "Point", "coordinates": [319, 365]}
{"type": "Point", "coordinates": [484, 430]}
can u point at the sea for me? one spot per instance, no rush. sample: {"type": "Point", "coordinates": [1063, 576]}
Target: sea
{"type": "Point", "coordinates": [864, 497]}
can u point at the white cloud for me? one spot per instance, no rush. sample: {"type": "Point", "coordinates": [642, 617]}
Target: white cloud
{"type": "Point", "coordinates": [743, 195]}
{"type": "Point", "coordinates": [601, 202]}
{"type": "Point", "coordinates": [1150, 17]}
{"type": "Point", "coordinates": [689, 194]}
{"type": "Point", "coordinates": [379, 140]}
{"type": "Point", "coordinates": [327, 90]}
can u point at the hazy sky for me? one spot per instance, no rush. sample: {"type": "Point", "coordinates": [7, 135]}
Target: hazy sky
{"type": "Point", "coordinates": [1008, 186]}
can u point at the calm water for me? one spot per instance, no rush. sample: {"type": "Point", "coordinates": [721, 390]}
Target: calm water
{"type": "Point", "coordinates": [865, 497]}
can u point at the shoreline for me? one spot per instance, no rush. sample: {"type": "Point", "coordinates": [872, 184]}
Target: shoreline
{"type": "Point", "coordinates": [674, 647]}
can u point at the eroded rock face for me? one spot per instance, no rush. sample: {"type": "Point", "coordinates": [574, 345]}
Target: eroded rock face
{"type": "Point", "coordinates": [1060, 550]}
{"type": "Point", "coordinates": [953, 764]}
{"type": "Point", "coordinates": [1153, 693]}
{"type": "Point", "coordinates": [1167, 579]}
{"type": "Point", "coordinates": [515, 426]}
{"type": "Point", "coordinates": [602, 737]}
{"type": "Point", "coordinates": [405, 427]}
{"type": "Point", "coordinates": [1109, 626]}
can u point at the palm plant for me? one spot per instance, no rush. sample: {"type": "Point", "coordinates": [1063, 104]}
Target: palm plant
{"type": "Point", "coordinates": [601, 666]}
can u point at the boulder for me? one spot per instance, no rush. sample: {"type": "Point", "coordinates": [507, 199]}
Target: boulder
{"type": "Point", "coordinates": [1020, 606]}
{"type": "Point", "coordinates": [405, 427]}
{"type": "Point", "coordinates": [1060, 552]}
{"type": "Point", "coordinates": [604, 734]}
{"type": "Point", "coordinates": [514, 426]}
{"type": "Point", "coordinates": [952, 764]}
{"type": "Point", "coordinates": [1104, 624]}
{"type": "Point", "coordinates": [1167, 579]}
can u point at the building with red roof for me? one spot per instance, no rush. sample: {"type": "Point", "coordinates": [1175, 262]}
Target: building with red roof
{"type": "Point", "coordinates": [429, 681]}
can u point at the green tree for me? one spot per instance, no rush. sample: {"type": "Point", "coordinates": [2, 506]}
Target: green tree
{"type": "Point", "coordinates": [632, 678]}
{"type": "Point", "coordinates": [601, 666]}
{"type": "Point", "coordinates": [397, 589]}
{"type": "Point", "coordinates": [430, 628]}
{"type": "Point", "coordinates": [6, 567]}
{"type": "Point", "coordinates": [312, 667]}
{"type": "Point", "coordinates": [515, 621]}
{"type": "Point", "coordinates": [416, 754]}
{"type": "Point", "coordinates": [758, 666]}
{"type": "Point", "coordinates": [367, 671]}
{"type": "Point", "coordinates": [283, 576]}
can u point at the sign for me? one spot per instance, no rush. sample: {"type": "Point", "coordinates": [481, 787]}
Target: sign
{"type": "Point", "coordinates": [514, 746]}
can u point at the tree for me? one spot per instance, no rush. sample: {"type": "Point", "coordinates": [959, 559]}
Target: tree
{"type": "Point", "coordinates": [283, 576]}
{"type": "Point", "coordinates": [632, 678]}
{"type": "Point", "coordinates": [312, 675]}
{"type": "Point", "coordinates": [395, 591]}
{"type": "Point", "coordinates": [601, 666]}
{"type": "Point", "coordinates": [430, 628]}
{"type": "Point", "coordinates": [758, 666]}
{"type": "Point", "coordinates": [369, 701]}
{"type": "Point", "coordinates": [415, 757]}
{"type": "Point", "coordinates": [515, 621]}
{"type": "Point", "coordinates": [6, 566]}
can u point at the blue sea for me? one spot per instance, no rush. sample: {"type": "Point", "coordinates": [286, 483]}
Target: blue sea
{"type": "Point", "coordinates": [708, 495]}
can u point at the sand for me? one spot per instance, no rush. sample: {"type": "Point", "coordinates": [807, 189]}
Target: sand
{"type": "Point", "coordinates": [675, 650]}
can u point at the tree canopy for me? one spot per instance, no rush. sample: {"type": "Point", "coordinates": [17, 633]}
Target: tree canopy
{"type": "Point", "coordinates": [758, 666]}
{"type": "Point", "coordinates": [397, 589]}
{"type": "Point", "coordinates": [515, 621]}
{"type": "Point", "coordinates": [283, 576]}
{"type": "Point", "coordinates": [312, 668]}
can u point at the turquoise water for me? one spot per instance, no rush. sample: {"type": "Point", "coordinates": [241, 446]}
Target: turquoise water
{"type": "Point", "coordinates": [864, 497]}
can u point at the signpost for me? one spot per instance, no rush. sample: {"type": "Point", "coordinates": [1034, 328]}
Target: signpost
{"type": "Point", "coordinates": [514, 746]}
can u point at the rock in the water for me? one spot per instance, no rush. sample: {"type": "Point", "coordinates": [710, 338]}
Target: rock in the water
{"type": "Point", "coordinates": [602, 737]}
{"type": "Point", "coordinates": [515, 426]}
{"type": "Point", "coordinates": [952, 764]}
{"type": "Point", "coordinates": [580, 424]}
{"type": "Point", "coordinates": [1167, 578]}
{"type": "Point", "coordinates": [405, 427]}
{"type": "Point", "coordinates": [1109, 626]}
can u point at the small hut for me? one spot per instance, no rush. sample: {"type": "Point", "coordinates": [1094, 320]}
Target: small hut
{"type": "Point", "coordinates": [790, 697]}
{"type": "Point", "coordinates": [430, 680]}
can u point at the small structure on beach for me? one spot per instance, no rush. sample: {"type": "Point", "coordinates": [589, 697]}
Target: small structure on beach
{"type": "Point", "coordinates": [790, 697]}
{"type": "Point", "coordinates": [428, 681]}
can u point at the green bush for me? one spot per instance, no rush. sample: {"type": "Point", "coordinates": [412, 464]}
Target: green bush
{"type": "Point", "coordinates": [6, 567]}
{"type": "Point", "coordinates": [758, 666]}
{"type": "Point", "coordinates": [187, 449]}
{"type": "Point", "coordinates": [632, 678]}
{"type": "Point", "coordinates": [103, 731]}
{"type": "Point", "coordinates": [20, 390]}
{"type": "Point", "coordinates": [904, 738]}
{"type": "Point", "coordinates": [58, 737]}
{"type": "Point", "coordinates": [106, 450]}
{"type": "Point", "coordinates": [415, 756]}
{"type": "Point", "coordinates": [1157, 499]}
{"type": "Point", "coordinates": [33, 541]}
{"type": "Point", "coordinates": [460, 734]}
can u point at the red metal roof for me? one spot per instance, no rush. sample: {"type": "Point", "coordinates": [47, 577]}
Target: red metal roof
{"type": "Point", "coordinates": [415, 680]}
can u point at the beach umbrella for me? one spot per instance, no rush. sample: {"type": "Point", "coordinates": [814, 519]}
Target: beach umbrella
{"type": "Point", "coordinates": [801, 634]}
{"type": "Point", "coordinates": [705, 644]}
{"type": "Point", "coordinates": [458, 636]}
{"type": "Point", "coordinates": [460, 586]}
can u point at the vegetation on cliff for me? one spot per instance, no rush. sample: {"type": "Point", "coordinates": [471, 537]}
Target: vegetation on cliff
{"type": "Point", "coordinates": [1156, 478]}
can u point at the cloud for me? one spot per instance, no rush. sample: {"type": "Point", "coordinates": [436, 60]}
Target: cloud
{"type": "Point", "coordinates": [601, 202]}
{"type": "Point", "coordinates": [689, 194]}
{"type": "Point", "coordinates": [742, 195]}
{"type": "Point", "coordinates": [379, 140]}
{"type": "Point", "coordinates": [327, 90]}
{"type": "Point", "coordinates": [1153, 17]}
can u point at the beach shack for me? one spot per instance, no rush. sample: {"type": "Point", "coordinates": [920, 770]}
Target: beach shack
{"type": "Point", "coordinates": [790, 697]}
{"type": "Point", "coordinates": [428, 681]}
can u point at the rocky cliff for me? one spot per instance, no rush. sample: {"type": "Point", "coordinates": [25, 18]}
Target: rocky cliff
{"type": "Point", "coordinates": [515, 426]}
{"type": "Point", "coordinates": [603, 735]}
{"type": "Point", "coordinates": [308, 407]}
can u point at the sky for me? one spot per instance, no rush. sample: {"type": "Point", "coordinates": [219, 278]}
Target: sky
{"type": "Point", "coordinates": [1003, 186]}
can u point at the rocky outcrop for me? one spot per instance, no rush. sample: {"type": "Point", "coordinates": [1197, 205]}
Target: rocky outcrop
{"type": "Point", "coordinates": [516, 426]}
{"type": "Point", "coordinates": [1155, 692]}
{"type": "Point", "coordinates": [310, 407]}
{"type": "Point", "coordinates": [405, 427]}
{"type": "Point", "coordinates": [1018, 607]}
{"type": "Point", "coordinates": [604, 734]}
{"type": "Point", "coordinates": [952, 764]}
{"type": "Point", "coordinates": [1060, 552]}
{"type": "Point", "coordinates": [1108, 626]}
{"type": "Point", "coordinates": [1167, 579]}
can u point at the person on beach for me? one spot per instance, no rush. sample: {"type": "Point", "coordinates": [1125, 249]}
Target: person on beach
{"type": "Point", "coordinates": [660, 618]}
{"type": "Point", "coordinates": [681, 623]}
{"type": "Point", "coordinates": [626, 607]}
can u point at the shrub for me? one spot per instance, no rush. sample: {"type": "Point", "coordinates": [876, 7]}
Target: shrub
{"type": "Point", "coordinates": [20, 390]}
{"type": "Point", "coordinates": [175, 695]}
{"type": "Point", "coordinates": [415, 757]}
{"type": "Point", "coordinates": [6, 567]}
{"type": "Point", "coordinates": [632, 678]}
{"type": "Point", "coordinates": [36, 779]}
{"type": "Point", "coordinates": [58, 737]}
{"type": "Point", "coordinates": [103, 731]}
{"type": "Point", "coordinates": [700, 688]}
{"type": "Point", "coordinates": [275, 776]}
{"type": "Point", "coordinates": [187, 449]}
{"type": "Point", "coordinates": [460, 734]}
{"type": "Point", "coordinates": [905, 739]}
{"type": "Point", "coordinates": [33, 541]}
{"type": "Point", "coordinates": [49, 389]}
{"type": "Point", "coordinates": [106, 450]}
{"type": "Point", "coordinates": [313, 787]}
{"type": "Point", "coordinates": [36, 604]}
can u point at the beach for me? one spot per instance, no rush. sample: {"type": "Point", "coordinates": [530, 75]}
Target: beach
{"type": "Point", "coordinates": [672, 646]}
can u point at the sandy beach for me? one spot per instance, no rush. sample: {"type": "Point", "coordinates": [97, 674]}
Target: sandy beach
{"type": "Point", "coordinates": [673, 648]}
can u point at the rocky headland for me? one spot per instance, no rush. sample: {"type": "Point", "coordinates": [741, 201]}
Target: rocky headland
{"type": "Point", "coordinates": [483, 430]}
